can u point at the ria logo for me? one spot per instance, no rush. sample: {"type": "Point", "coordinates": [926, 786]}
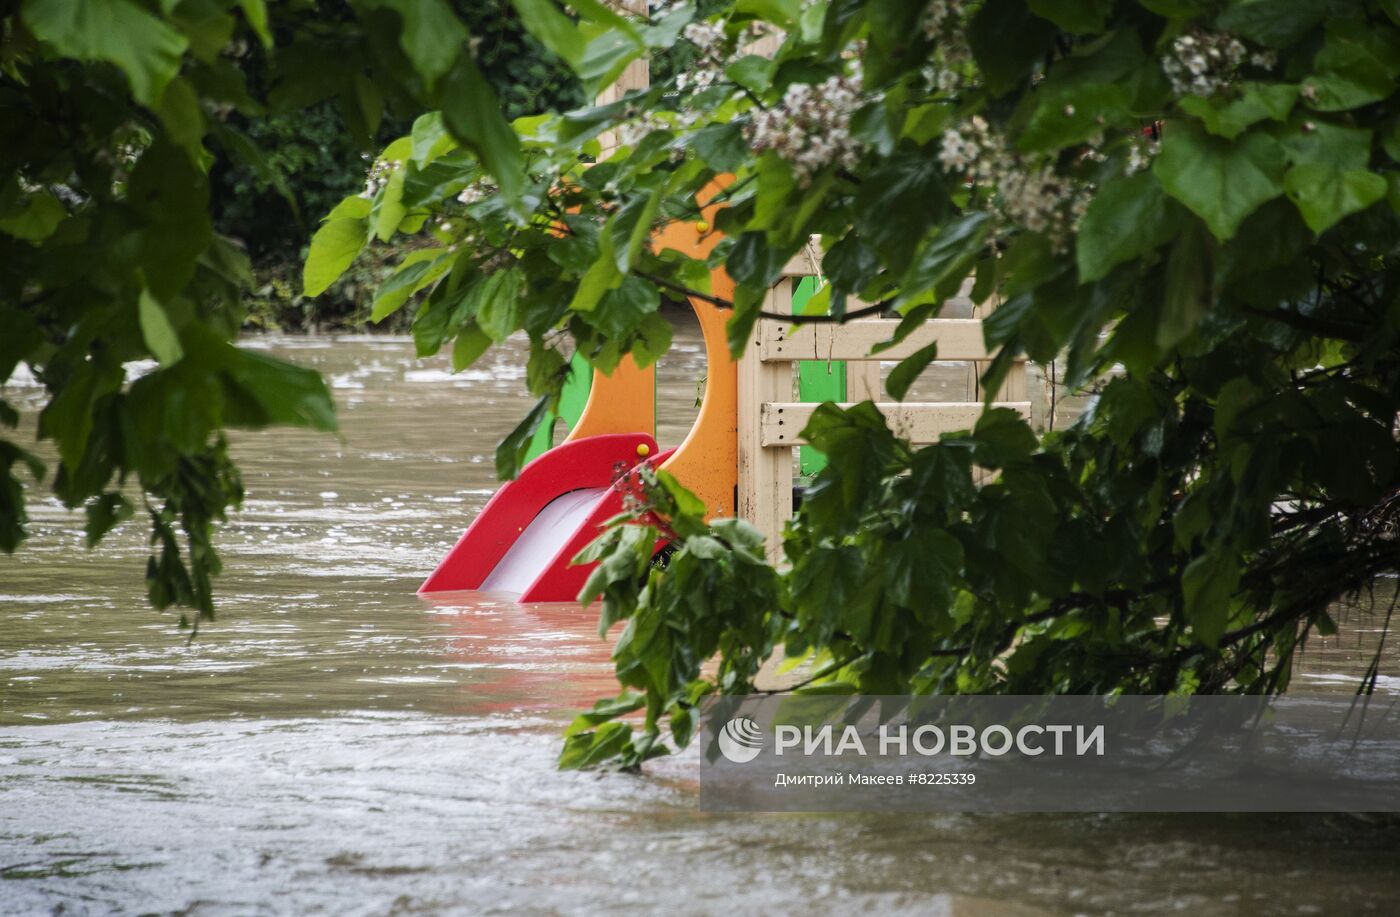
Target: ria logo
{"type": "Point", "coordinates": [740, 740]}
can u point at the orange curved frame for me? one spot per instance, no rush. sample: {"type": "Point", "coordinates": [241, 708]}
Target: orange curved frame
{"type": "Point", "coordinates": [707, 461]}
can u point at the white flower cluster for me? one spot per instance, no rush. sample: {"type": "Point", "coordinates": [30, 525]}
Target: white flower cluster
{"type": "Point", "coordinates": [708, 37]}
{"type": "Point", "coordinates": [1203, 63]}
{"type": "Point", "coordinates": [632, 131]}
{"type": "Point", "coordinates": [379, 173]}
{"type": "Point", "coordinates": [943, 24]}
{"type": "Point", "coordinates": [971, 149]}
{"type": "Point", "coordinates": [478, 190]}
{"type": "Point", "coordinates": [1043, 201]}
{"type": "Point", "coordinates": [940, 16]}
{"type": "Point", "coordinates": [1141, 152]}
{"type": "Point", "coordinates": [811, 127]}
{"type": "Point", "coordinates": [1033, 197]}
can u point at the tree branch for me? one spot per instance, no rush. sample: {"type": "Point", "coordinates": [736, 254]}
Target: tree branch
{"type": "Point", "coordinates": [862, 312]}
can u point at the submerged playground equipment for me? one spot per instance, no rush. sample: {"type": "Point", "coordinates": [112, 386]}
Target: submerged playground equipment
{"type": "Point", "coordinates": [738, 456]}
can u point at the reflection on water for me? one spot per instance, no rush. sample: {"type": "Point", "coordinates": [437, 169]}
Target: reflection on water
{"type": "Point", "coordinates": [334, 743]}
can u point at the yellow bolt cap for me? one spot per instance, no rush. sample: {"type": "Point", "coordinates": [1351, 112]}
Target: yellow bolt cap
{"type": "Point", "coordinates": [702, 226]}
{"type": "Point", "coordinates": [643, 449]}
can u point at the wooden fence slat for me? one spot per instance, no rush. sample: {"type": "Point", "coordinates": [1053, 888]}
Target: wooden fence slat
{"type": "Point", "coordinates": [781, 422]}
{"type": "Point", "coordinates": [765, 475]}
{"type": "Point", "coordinates": [959, 339]}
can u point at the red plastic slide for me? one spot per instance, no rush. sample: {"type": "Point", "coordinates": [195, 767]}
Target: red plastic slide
{"type": "Point", "coordinates": [526, 536]}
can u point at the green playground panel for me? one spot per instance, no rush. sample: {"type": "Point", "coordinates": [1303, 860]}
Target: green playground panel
{"type": "Point", "coordinates": [571, 402]}
{"type": "Point", "coordinates": [817, 380]}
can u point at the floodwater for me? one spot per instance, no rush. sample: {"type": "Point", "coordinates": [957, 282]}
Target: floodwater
{"type": "Point", "coordinates": [335, 744]}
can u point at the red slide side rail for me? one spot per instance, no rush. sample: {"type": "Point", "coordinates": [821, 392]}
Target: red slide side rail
{"type": "Point", "coordinates": [562, 580]}
{"type": "Point", "coordinates": [596, 461]}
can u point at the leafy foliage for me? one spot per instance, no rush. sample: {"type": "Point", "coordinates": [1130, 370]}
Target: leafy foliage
{"type": "Point", "coordinates": [1231, 293]}
{"type": "Point", "coordinates": [124, 128]}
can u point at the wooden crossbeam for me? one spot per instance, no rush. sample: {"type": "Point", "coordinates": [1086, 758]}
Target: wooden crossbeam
{"type": "Point", "coordinates": [781, 422]}
{"type": "Point", "coordinates": [959, 339]}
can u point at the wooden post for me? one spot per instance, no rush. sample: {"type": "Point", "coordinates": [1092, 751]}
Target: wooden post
{"type": "Point", "coordinates": [863, 376]}
{"type": "Point", "coordinates": [637, 75]}
{"type": "Point", "coordinates": [765, 473]}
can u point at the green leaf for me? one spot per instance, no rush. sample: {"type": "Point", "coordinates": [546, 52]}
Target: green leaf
{"type": "Point", "coordinates": [752, 72]}
{"type": "Point", "coordinates": [600, 277]}
{"type": "Point", "coordinates": [1080, 16]}
{"type": "Point", "coordinates": [598, 12]}
{"type": "Point", "coordinates": [778, 12]}
{"type": "Point", "coordinates": [1325, 195]}
{"type": "Point", "coordinates": [630, 227]}
{"type": "Point", "coordinates": [333, 249]}
{"type": "Point", "coordinates": [170, 193]}
{"type": "Point", "coordinates": [897, 203]}
{"type": "Point", "coordinates": [586, 749]}
{"type": "Point", "coordinates": [510, 454]}
{"type": "Point", "coordinates": [604, 710]}
{"type": "Point", "coordinates": [1230, 118]}
{"type": "Point", "coordinates": [1207, 584]}
{"type": "Point", "coordinates": [13, 515]}
{"type": "Point", "coordinates": [432, 37]}
{"type": "Point", "coordinates": [1065, 115]}
{"type": "Point", "coordinates": [1001, 438]}
{"type": "Point", "coordinates": [1220, 181]}
{"type": "Point", "coordinates": [430, 138]}
{"type": "Point", "coordinates": [720, 146]}
{"type": "Point", "coordinates": [36, 218]}
{"type": "Point", "coordinates": [948, 254]}
{"type": "Point", "coordinates": [68, 417]}
{"type": "Point", "coordinates": [276, 392]}
{"type": "Point", "coordinates": [472, 112]}
{"type": "Point", "coordinates": [548, 23]}
{"type": "Point", "coordinates": [1320, 141]}
{"type": "Point", "coordinates": [471, 343]}
{"type": "Point", "coordinates": [1129, 217]}
{"type": "Point", "coordinates": [499, 313]}
{"type": "Point", "coordinates": [653, 339]}
{"type": "Point", "coordinates": [255, 11]}
{"type": "Point", "coordinates": [146, 49]}
{"type": "Point", "coordinates": [104, 514]}
{"type": "Point", "coordinates": [389, 209]}
{"type": "Point", "coordinates": [1353, 69]}
{"type": "Point", "coordinates": [158, 333]}
{"type": "Point", "coordinates": [1272, 23]}
{"type": "Point", "coordinates": [395, 291]}
{"type": "Point", "coordinates": [1008, 41]}
{"type": "Point", "coordinates": [181, 115]}
{"type": "Point", "coordinates": [908, 370]}
{"type": "Point", "coordinates": [1186, 298]}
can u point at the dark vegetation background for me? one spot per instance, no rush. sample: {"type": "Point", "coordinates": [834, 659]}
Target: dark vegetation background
{"type": "Point", "coordinates": [320, 162]}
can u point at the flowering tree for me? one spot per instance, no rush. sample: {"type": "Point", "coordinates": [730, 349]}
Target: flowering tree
{"type": "Point", "coordinates": [1193, 203]}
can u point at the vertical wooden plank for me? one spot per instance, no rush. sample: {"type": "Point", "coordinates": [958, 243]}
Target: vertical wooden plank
{"type": "Point", "coordinates": [636, 75]}
{"type": "Point", "coordinates": [863, 381]}
{"type": "Point", "coordinates": [765, 475]}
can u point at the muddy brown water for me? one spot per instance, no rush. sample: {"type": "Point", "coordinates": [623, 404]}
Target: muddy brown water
{"type": "Point", "coordinates": [335, 744]}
